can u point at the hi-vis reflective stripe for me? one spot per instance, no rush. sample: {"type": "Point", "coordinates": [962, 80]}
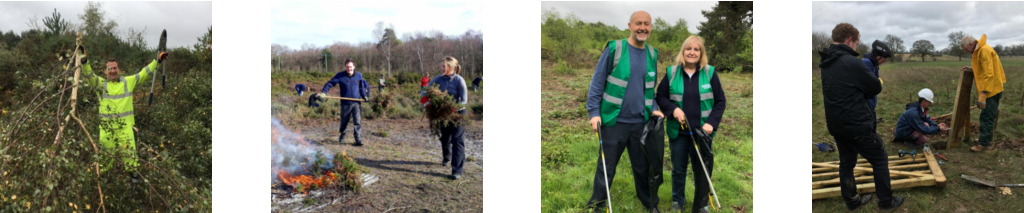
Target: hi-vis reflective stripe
{"type": "Point", "coordinates": [705, 114]}
{"type": "Point", "coordinates": [616, 81]}
{"type": "Point", "coordinates": [137, 76]}
{"type": "Point", "coordinates": [120, 115]}
{"type": "Point", "coordinates": [706, 96]}
{"type": "Point", "coordinates": [106, 94]}
{"type": "Point", "coordinates": [649, 84]}
{"type": "Point", "coordinates": [649, 102]}
{"type": "Point", "coordinates": [676, 98]}
{"type": "Point", "coordinates": [618, 52]}
{"type": "Point", "coordinates": [612, 99]}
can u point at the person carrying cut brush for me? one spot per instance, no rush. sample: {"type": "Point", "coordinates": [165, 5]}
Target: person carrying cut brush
{"type": "Point", "coordinates": [116, 111]}
{"type": "Point", "coordinates": [351, 85]}
{"type": "Point", "coordinates": [690, 91]}
{"type": "Point", "coordinates": [620, 101]}
{"type": "Point", "coordinates": [453, 146]}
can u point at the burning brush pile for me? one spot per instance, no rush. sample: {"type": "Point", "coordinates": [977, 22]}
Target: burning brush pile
{"type": "Point", "coordinates": [300, 167]}
{"type": "Point", "coordinates": [442, 111]}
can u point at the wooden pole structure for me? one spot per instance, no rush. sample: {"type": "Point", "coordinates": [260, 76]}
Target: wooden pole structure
{"type": "Point", "coordinates": [961, 109]}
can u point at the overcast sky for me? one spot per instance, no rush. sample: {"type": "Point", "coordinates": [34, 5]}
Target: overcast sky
{"type": "Point", "coordinates": [323, 23]}
{"type": "Point", "coordinates": [184, 21]}
{"type": "Point", "coordinates": [1003, 22]}
{"type": "Point", "coordinates": [617, 13]}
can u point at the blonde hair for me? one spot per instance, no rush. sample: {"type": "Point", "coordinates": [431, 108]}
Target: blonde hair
{"type": "Point", "coordinates": [966, 41]}
{"type": "Point", "coordinates": [703, 51]}
{"type": "Point", "coordinates": [453, 63]}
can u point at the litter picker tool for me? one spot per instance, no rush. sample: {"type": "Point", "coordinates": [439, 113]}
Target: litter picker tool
{"type": "Point", "coordinates": [159, 49]}
{"type": "Point", "coordinates": [703, 137]}
{"type": "Point", "coordinates": [600, 148]}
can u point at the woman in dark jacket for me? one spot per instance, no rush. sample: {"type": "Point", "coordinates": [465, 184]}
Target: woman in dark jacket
{"type": "Point", "coordinates": [452, 144]}
{"type": "Point", "coordinates": [690, 91]}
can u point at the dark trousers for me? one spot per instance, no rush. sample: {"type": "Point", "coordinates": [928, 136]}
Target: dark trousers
{"type": "Point", "coordinates": [683, 152]}
{"type": "Point", "coordinates": [351, 111]}
{"type": "Point", "coordinates": [988, 119]}
{"type": "Point", "coordinates": [646, 172]}
{"type": "Point", "coordinates": [453, 147]}
{"type": "Point", "coordinates": [870, 147]}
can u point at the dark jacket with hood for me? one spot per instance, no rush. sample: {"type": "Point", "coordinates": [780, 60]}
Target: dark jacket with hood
{"type": "Point", "coordinates": [913, 120]}
{"type": "Point", "coordinates": [872, 64]}
{"type": "Point", "coordinates": [847, 85]}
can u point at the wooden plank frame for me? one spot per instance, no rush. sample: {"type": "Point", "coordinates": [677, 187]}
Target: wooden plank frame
{"type": "Point", "coordinates": [904, 171]}
{"type": "Point", "coordinates": [961, 121]}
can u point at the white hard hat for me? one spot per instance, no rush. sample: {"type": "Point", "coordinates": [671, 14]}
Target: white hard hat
{"type": "Point", "coordinates": [926, 94]}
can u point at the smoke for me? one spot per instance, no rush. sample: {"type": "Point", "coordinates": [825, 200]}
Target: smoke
{"type": "Point", "coordinates": [290, 152]}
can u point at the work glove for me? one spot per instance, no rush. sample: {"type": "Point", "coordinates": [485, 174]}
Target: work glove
{"type": "Point", "coordinates": [981, 100]}
{"type": "Point", "coordinates": [161, 57]}
{"type": "Point", "coordinates": [321, 95]}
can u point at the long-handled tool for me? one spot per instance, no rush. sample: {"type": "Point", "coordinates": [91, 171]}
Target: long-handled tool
{"type": "Point", "coordinates": [600, 148]}
{"type": "Point", "coordinates": [161, 48]}
{"type": "Point", "coordinates": [988, 183]}
{"type": "Point", "coordinates": [699, 157]}
{"type": "Point", "coordinates": [344, 98]}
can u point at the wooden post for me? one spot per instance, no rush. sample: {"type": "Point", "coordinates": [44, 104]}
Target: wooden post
{"type": "Point", "coordinates": [961, 109]}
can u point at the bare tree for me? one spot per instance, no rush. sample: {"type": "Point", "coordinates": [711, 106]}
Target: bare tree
{"type": "Point", "coordinates": [923, 47]}
{"type": "Point", "coordinates": [954, 44]}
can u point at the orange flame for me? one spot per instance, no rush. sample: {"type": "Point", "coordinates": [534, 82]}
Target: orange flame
{"type": "Point", "coordinates": [325, 180]}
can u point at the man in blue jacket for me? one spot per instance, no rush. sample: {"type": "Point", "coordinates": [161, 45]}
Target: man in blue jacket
{"type": "Point", "coordinates": [350, 84]}
{"type": "Point", "coordinates": [915, 123]}
{"type": "Point", "coordinates": [879, 54]}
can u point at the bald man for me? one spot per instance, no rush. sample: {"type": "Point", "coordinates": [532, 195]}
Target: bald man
{"type": "Point", "coordinates": [620, 101]}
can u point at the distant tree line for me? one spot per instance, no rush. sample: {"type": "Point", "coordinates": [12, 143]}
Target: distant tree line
{"type": "Point", "coordinates": [728, 37]}
{"type": "Point", "coordinates": [417, 52]}
{"type": "Point", "coordinates": [920, 48]}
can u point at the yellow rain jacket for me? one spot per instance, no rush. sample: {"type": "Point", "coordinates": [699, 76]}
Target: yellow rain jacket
{"type": "Point", "coordinates": [117, 112]}
{"type": "Point", "coordinates": [988, 71]}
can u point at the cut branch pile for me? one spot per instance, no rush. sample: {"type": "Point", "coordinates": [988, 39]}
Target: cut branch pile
{"type": "Point", "coordinates": [442, 111]}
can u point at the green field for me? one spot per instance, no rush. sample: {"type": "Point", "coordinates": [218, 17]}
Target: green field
{"type": "Point", "coordinates": [569, 148]}
{"type": "Point", "coordinates": [902, 81]}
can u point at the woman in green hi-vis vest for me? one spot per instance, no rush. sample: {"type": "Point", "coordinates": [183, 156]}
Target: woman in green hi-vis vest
{"type": "Point", "coordinates": [690, 91]}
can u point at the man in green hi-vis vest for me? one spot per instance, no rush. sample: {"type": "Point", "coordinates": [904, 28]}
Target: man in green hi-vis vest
{"type": "Point", "coordinates": [620, 101]}
{"type": "Point", "coordinates": [116, 110]}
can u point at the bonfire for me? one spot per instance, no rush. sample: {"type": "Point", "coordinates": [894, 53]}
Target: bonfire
{"type": "Point", "coordinates": [300, 167]}
{"type": "Point", "coordinates": [441, 111]}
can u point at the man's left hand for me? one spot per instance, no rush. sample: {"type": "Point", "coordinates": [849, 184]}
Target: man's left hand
{"type": "Point", "coordinates": [708, 128]}
{"type": "Point", "coordinates": [658, 113]}
{"type": "Point", "coordinates": [161, 57]}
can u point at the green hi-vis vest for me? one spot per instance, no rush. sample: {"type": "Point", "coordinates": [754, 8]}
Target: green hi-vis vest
{"type": "Point", "coordinates": [707, 97]}
{"type": "Point", "coordinates": [117, 112]}
{"type": "Point", "coordinates": [615, 86]}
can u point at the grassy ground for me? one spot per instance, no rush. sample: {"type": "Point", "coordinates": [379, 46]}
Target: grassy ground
{"type": "Point", "coordinates": [569, 148]}
{"type": "Point", "coordinates": [399, 148]}
{"type": "Point", "coordinates": [902, 81]}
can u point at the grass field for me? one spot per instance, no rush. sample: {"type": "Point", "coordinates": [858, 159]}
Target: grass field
{"type": "Point", "coordinates": [569, 148]}
{"type": "Point", "coordinates": [902, 81]}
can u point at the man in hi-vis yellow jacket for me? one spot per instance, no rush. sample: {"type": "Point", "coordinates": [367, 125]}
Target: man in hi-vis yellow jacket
{"type": "Point", "coordinates": [988, 75]}
{"type": "Point", "coordinates": [116, 110]}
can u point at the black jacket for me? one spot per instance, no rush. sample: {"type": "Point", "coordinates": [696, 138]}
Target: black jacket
{"type": "Point", "coordinates": [691, 97]}
{"type": "Point", "coordinates": [847, 85]}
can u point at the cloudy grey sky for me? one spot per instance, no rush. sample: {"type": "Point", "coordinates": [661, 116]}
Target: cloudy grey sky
{"type": "Point", "coordinates": [617, 13]}
{"type": "Point", "coordinates": [184, 21]}
{"type": "Point", "coordinates": [932, 21]}
{"type": "Point", "coordinates": [324, 23]}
